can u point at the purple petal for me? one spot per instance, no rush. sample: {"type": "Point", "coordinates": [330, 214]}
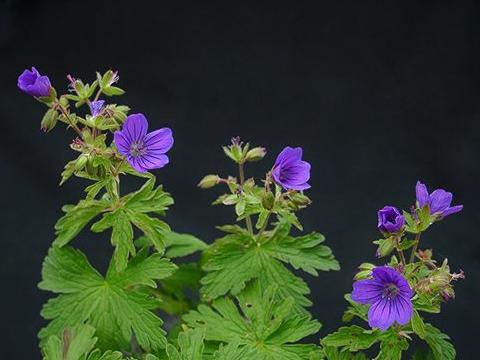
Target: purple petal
{"type": "Point", "coordinates": [34, 84]}
{"type": "Point", "coordinates": [439, 201]}
{"type": "Point", "coordinates": [289, 155]}
{"type": "Point", "coordinates": [96, 107]}
{"type": "Point", "coordinates": [159, 141]}
{"type": "Point", "coordinates": [136, 163]}
{"type": "Point", "coordinates": [298, 187]}
{"type": "Point", "coordinates": [452, 210]}
{"type": "Point", "coordinates": [135, 127]}
{"type": "Point", "coordinates": [380, 314]}
{"type": "Point", "coordinates": [421, 194]}
{"type": "Point", "coordinates": [367, 291]}
{"type": "Point", "coordinates": [298, 173]}
{"type": "Point", "coordinates": [122, 143]}
{"type": "Point", "coordinates": [385, 274]}
{"type": "Point", "coordinates": [403, 309]}
{"type": "Point", "coordinates": [153, 161]}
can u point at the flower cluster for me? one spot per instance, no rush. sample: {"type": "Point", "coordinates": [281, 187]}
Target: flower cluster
{"type": "Point", "coordinates": [391, 296]}
{"type": "Point", "coordinates": [142, 151]}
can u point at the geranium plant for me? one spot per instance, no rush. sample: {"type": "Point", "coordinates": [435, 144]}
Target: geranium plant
{"type": "Point", "coordinates": [244, 298]}
{"type": "Point", "coordinates": [392, 297]}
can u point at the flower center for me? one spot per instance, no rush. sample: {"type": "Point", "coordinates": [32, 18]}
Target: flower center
{"type": "Point", "coordinates": [390, 291]}
{"type": "Point", "coordinates": [137, 149]}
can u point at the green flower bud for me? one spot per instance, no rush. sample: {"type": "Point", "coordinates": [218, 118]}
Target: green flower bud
{"type": "Point", "coordinates": [81, 162]}
{"type": "Point", "coordinates": [209, 181]}
{"type": "Point", "coordinates": [255, 154]}
{"type": "Point", "coordinates": [49, 120]}
{"type": "Point", "coordinates": [300, 199]}
{"type": "Point", "coordinates": [268, 200]}
{"type": "Point", "coordinates": [385, 247]}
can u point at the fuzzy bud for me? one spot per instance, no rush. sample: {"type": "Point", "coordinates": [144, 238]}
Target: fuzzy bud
{"type": "Point", "coordinates": [209, 181]}
{"type": "Point", "coordinates": [300, 199]}
{"type": "Point", "coordinates": [256, 154]}
{"type": "Point", "coordinates": [49, 120]}
{"type": "Point", "coordinates": [385, 247]}
{"type": "Point", "coordinates": [268, 200]}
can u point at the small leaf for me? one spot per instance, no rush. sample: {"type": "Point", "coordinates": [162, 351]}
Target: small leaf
{"type": "Point", "coordinates": [179, 245]}
{"type": "Point", "coordinates": [418, 325]}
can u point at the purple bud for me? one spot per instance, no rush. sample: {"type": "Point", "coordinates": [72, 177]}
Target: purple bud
{"type": "Point", "coordinates": [96, 107]}
{"type": "Point", "coordinates": [390, 220]}
{"type": "Point", "coordinates": [34, 84]}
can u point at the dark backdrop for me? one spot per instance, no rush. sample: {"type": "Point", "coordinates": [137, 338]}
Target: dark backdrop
{"type": "Point", "coordinates": [377, 95]}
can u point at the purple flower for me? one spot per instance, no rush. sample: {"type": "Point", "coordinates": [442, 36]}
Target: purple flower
{"type": "Point", "coordinates": [34, 84]}
{"type": "Point", "coordinates": [290, 171]}
{"type": "Point", "coordinates": [143, 151]}
{"type": "Point", "coordinates": [390, 220]}
{"type": "Point", "coordinates": [389, 295]}
{"type": "Point", "coordinates": [438, 201]}
{"type": "Point", "coordinates": [96, 107]}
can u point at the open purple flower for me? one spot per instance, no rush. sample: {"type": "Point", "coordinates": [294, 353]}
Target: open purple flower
{"type": "Point", "coordinates": [289, 171]}
{"type": "Point", "coordinates": [438, 201]}
{"type": "Point", "coordinates": [143, 151]}
{"type": "Point", "coordinates": [96, 107]}
{"type": "Point", "coordinates": [389, 295]}
{"type": "Point", "coordinates": [34, 84]}
{"type": "Point", "coordinates": [390, 220]}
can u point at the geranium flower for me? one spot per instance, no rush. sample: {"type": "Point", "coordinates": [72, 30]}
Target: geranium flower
{"type": "Point", "coordinates": [289, 171]}
{"type": "Point", "coordinates": [389, 295]}
{"type": "Point", "coordinates": [438, 201]}
{"type": "Point", "coordinates": [143, 151]}
{"type": "Point", "coordinates": [34, 84]}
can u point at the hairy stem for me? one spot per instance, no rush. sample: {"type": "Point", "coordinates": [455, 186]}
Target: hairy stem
{"type": "Point", "coordinates": [415, 247]}
{"type": "Point", "coordinates": [399, 251]}
{"type": "Point", "coordinates": [248, 220]}
{"type": "Point", "coordinates": [69, 120]}
{"type": "Point", "coordinates": [264, 226]}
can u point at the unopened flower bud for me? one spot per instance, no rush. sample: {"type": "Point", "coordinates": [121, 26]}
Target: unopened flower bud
{"type": "Point", "coordinates": [300, 199]}
{"type": "Point", "coordinates": [390, 220]}
{"type": "Point", "coordinates": [81, 162]}
{"type": "Point", "coordinates": [268, 200]}
{"type": "Point", "coordinates": [31, 82]}
{"type": "Point", "coordinates": [49, 120]}
{"type": "Point", "coordinates": [256, 154]}
{"type": "Point", "coordinates": [209, 181]}
{"type": "Point", "coordinates": [425, 254]}
{"type": "Point", "coordinates": [385, 247]}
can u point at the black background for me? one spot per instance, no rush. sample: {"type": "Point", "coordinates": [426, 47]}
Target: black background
{"type": "Point", "coordinates": [377, 95]}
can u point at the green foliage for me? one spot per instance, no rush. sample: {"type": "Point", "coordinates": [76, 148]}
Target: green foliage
{"type": "Point", "coordinates": [236, 259]}
{"type": "Point", "coordinates": [109, 303]}
{"type": "Point", "coordinates": [134, 209]}
{"type": "Point", "coordinates": [352, 338]}
{"type": "Point", "coordinates": [234, 351]}
{"type": "Point", "coordinates": [77, 344]}
{"type": "Point", "coordinates": [190, 346]}
{"type": "Point", "coordinates": [332, 353]}
{"type": "Point", "coordinates": [438, 342]}
{"type": "Point", "coordinates": [267, 327]}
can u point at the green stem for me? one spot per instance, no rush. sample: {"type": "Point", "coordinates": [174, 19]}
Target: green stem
{"type": "Point", "coordinates": [264, 226]}
{"type": "Point", "coordinates": [415, 246]}
{"type": "Point", "coordinates": [248, 220]}
{"type": "Point", "coordinates": [399, 251]}
{"type": "Point", "coordinates": [69, 120]}
{"type": "Point", "coordinates": [97, 96]}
